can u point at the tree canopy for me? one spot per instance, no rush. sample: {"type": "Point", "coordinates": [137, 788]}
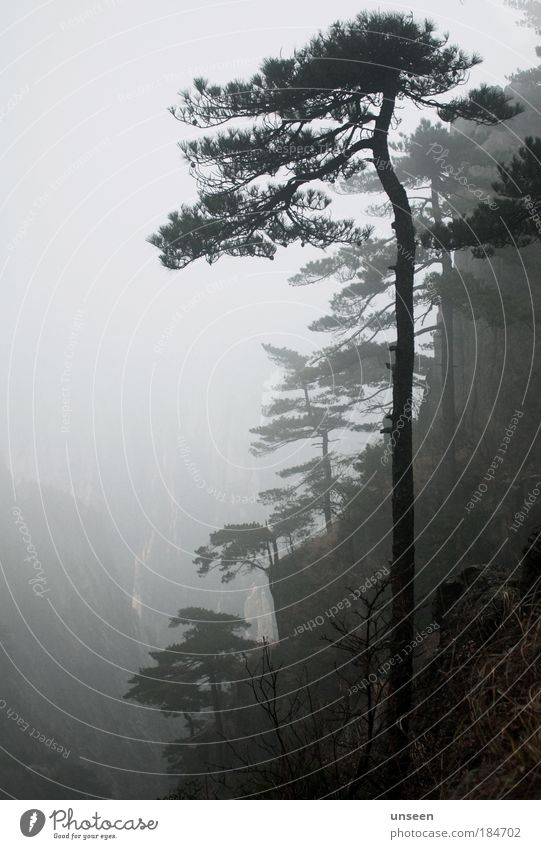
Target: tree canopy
{"type": "Point", "coordinates": [350, 78]}
{"type": "Point", "coordinates": [210, 654]}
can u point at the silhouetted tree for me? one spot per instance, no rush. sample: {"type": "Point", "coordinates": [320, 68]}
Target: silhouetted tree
{"type": "Point", "coordinates": [189, 676]}
{"type": "Point", "coordinates": [313, 115]}
{"type": "Point", "coordinates": [514, 218]}
{"type": "Point", "coordinates": [447, 171]}
{"type": "Point", "coordinates": [361, 313]}
{"type": "Point", "coordinates": [302, 412]}
{"type": "Point", "coordinates": [245, 547]}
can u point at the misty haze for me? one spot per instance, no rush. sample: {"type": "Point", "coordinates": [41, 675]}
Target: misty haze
{"type": "Point", "coordinates": [270, 467]}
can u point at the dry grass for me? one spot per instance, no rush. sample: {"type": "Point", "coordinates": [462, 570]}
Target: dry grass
{"type": "Point", "coordinates": [478, 723]}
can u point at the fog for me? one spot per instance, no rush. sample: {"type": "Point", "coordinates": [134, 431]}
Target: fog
{"type": "Point", "coordinates": [130, 389]}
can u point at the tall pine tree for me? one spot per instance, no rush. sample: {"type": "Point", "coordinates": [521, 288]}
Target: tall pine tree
{"type": "Point", "coordinates": [317, 117]}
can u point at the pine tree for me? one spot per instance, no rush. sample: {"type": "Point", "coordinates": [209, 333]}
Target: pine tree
{"type": "Point", "coordinates": [302, 412]}
{"type": "Point", "coordinates": [314, 116]}
{"type": "Point", "coordinates": [189, 676]}
{"type": "Point", "coordinates": [244, 548]}
{"type": "Point", "coordinates": [448, 172]}
{"type": "Point", "coordinates": [531, 11]}
{"type": "Point", "coordinates": [514, 218]}
{"type": "Point", "coordinates": [360, 314]}
{"type": "Point", "coordinates": [451, 166]}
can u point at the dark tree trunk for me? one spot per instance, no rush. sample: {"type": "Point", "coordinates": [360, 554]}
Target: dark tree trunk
{"type": "Point", "coordinates": [327, 471]}
{"type": "Point", "coordinates": [448, 409]}
{"type": "Point", "coordinates": [216, 694]}
{"type": "Point", "coordinates": [403, 563]}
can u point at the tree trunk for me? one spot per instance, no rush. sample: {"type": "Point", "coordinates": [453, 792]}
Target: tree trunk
{"type": "Point", "coordinates": [447, 357]}
{"type": "Point", "coordinates": [403, 563]}
{"type": "Point", "coordinates": [216, 695]}
{"type": "Point", "coordinates": [327, 471]}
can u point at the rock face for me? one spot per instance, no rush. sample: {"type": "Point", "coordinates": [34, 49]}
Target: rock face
{"type": "Point", "coordinates": [493, 506]}
{"type": "Point", "coordinates": [496, 356]}
{"type": "Point", "coordinates": [258, 611]}
{"type": "Point", "coordinates": [498, 403]}
{"type": "Point", "coordinates": [496, 325]}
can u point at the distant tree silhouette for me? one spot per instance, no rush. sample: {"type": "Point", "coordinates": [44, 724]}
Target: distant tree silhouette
{"type": "Point", "coordinates": [516, 218]}
{"type": "Point", "coordinates": [531, 11]}
{"type": "Point", "coordinates": [301, 412]}
{"type": "Point", "coordinates": [189, 676]}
